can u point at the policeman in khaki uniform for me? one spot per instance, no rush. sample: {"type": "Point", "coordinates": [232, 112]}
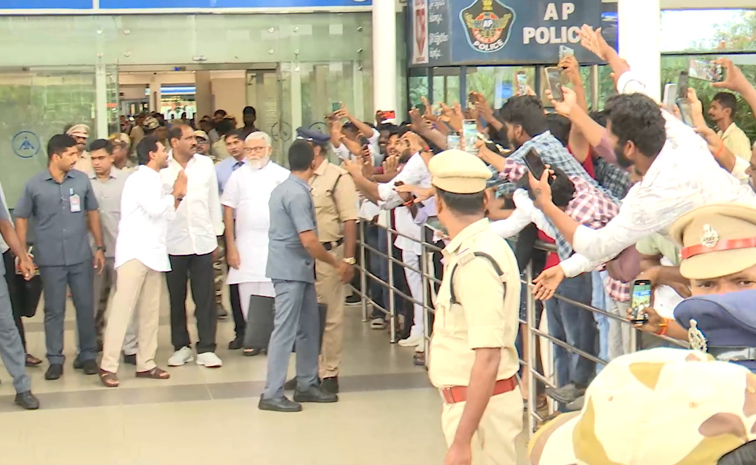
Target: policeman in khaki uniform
{"type": "Point", "coordinates": [473, 360]}
{"type": "Point", "coordinates": [335, 198]}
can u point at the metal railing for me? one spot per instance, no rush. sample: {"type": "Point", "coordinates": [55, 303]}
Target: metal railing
{"type": "Point", "coordinates": [535, 335]}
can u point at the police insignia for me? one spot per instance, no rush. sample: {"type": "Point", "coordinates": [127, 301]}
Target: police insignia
{"type": "Point", "coordinates": [696, 337]}
{"type": "Point", "coordinates": [487, 24]}
{"type": "Point", "coordinates": [710, 237]}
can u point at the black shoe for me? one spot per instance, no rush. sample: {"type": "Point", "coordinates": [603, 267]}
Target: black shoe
{"type": "Point", "coordinates": [315, 394]}
{"type": "Point", "coordinates": [330, 385]}
{"type": "Point", "coordinates": [129, 359]}
{"type": "Point", "coordinates": [280, 404]}
{"type": "Point", "coordinates": [566, 394]}
{"type": "Point", "coordinates": [354, 299]}
{"type": "Point", "coordinates": [222, 312]}
{"type": "Point", "coordinates": [252, 352]}
{"type": "Point", "coordinates": [32, 361]}
{"type": "Point", "coordinates": [236, 344]}
{"type": "Point", "coordinates": [291, 384]}
{"type": "Point", "coordinates": [27, 400]}
{"type": "Point", "coordinates": [90, 367]}
{"type": "Point", "coordinates": [78, 364]}
{"type": "Point", "coordinates": [55, 371]}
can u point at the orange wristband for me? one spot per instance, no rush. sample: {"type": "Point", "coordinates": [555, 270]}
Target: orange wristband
{"type": "Point", "coordinates": [720, 151]}
{"type": "Point", "coordinates": [663, 326]}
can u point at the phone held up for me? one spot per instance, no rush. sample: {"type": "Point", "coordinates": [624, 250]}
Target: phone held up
{"type": "Point", "coordinates": [470, 133]}
{"type": "Point", "coordinates": [565, 52]}
{"type": "Point", "coordinates": [683, 103]}
{"type": "Point", "coordinates": [522, 83]}
{"type": "Point", "coordinates": [641, 300]}
{"type": "Point", "coordinates": [535, 165]}
{"type": "Point", "coordinates": [706, 71]}
{"type": "Point", "coordinates": [554, 79]}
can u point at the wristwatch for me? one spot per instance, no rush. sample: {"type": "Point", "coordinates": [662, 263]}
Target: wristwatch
{"type": "Point", "coordinates": [350, 261]}
{"type": "Point", "coordinates": [100, 248]}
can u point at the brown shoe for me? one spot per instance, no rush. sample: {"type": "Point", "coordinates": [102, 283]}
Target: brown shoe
{"type": "Point", "coordinates": [108, 379]}
{"type": "Point", "coordinates": [155, 373]}
{"type": "Point", "coordinates": [32, 361]}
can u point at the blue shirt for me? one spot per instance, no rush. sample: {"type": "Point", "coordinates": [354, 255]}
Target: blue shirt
{"type": "Point", "coordinates": [292, 212]}
{"type": "Point", "coordinates": [225, 169]}
{"type": "Point", "coordinates": [61, 234]}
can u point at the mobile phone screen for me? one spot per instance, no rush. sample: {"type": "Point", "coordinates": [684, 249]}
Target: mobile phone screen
{"type": "Point", "coordinates": [682, 86]}
{"type": "Point", "coordinates": [670, 93]}
{"type": "Point", "coordinates": [705, 71]}
{"type": "Point", "coordinates": [565, 52]}
{"type": "Point", "coordinates": [554, 76]}
{"type": "Point", "coordinates": [685, 111]}
{"type": "Point", "coordinates": [335, 106]}
{"type": "Point", "coordinates": [522, 83]}
{"type": "Point", "coordinates": [641, 299]}
{"type": "Point", "coordinates": [534, 164]}
{"type": "Point", "coordinates": [452, 142]}
{"type": "Point", "coordinates": [470, 133]}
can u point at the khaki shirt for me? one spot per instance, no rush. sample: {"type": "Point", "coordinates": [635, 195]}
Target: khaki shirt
{"type": "Point", "coordinates": [84, 163]}
{"type": "Point", "coordinates": [333, 207]}
{"type": "Point", "coordinates": [219, 151]}
{"type": "Point", "coordinates": [485, 317]}
{"type": "Point", "coordinates": [736, 141]}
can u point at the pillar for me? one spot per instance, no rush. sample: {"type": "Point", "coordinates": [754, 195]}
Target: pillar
{"type": "Point", "coordinates": [642, 50]}
{"type": "Point", "coordinates": [155, 94]}
{"type": "Point", "coordinates": [384, 57]}
{"type": "Point", "coordinates": [203, 97]}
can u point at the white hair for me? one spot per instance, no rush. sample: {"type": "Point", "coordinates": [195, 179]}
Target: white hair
{"type": "Point", "coordinates": [260, 135]}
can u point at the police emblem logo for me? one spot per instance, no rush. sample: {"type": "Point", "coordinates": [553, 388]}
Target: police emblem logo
{"type": "Point", "coordinates": [696, 338]}
{"type": "Point", "coordinates": [710, 237]}
{"type": "Point", "coordinates": [488, 24]}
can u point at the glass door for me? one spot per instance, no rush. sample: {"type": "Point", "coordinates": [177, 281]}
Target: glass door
{"type": "Point", "coordinates": [265, 93]}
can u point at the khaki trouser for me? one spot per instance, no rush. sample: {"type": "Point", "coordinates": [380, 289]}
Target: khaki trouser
{"type": "Point", "coordinates": [219, 270]}
{"type": "Point", "coordinates": [138, 289]}
{"type": "Point", "coordinates": [494, 442]}
{"type": "Point", "coordinates": [331, 292]}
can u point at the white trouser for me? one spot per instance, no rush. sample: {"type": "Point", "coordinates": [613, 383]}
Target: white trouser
{"type": "Point", "coordinates": [619, 333]}
{"type": "Point", "coordinates": [415, 283]}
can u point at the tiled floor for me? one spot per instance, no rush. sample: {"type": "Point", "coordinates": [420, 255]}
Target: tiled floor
{"type": "Point", "coordinates": [387, 413]}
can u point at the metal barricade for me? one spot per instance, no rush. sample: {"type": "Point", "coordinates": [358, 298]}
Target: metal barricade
{"type": "Point", "coordinates": [535, 335]}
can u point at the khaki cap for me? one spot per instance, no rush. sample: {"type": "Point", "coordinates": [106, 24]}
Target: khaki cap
{"type": "Point", "coordinates": [79, 130]}
{"type": "Point", "coordinates": [120, 138]}
{"type": "Point", "coordinates": [718, 240]}
{"type": "Point", "coordinates": [459, 172]}
{"type": "Point", "coordinates": [654, 407]}
{"type": "Point", "coordinates": [201, 134]}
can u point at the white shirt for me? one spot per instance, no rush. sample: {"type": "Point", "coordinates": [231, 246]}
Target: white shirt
{"type": "Point", "coordinates": [3, 245]}
{"type": "Point", "coordinates": [145, 214]}
{"type": "Point", "coordinates": [248, 192]}
{"type": "Point", "coordinates": [683, 176]}
{"type": "Point", "coordinates": [415, 172]}
{"type": "Point", "coordinates": [199, 219]}
{"type": "Point", "coordinates": [343, 152]}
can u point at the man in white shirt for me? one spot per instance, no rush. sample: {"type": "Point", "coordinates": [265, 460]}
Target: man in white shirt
{"type": "Point", "coordinates": [347, 140]}
{"type": "Point", "coordinates": [247, 219]}
{"type": "Point", "coordinates": [722, 111]}
{"type": "Point", "coordinates": [679, 173]}
{"type": "Point", "coordinates": [414, 173]}
{"type": "Point", "coordinates": [192, 242]}
{"type": "Point", "coordinates": [141, 257]}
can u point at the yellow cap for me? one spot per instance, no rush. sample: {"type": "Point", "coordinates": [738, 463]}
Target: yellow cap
{"type": "Point", "coordinates": [718, 240]}
{"type": "Point", "coordinates": [459, 172]}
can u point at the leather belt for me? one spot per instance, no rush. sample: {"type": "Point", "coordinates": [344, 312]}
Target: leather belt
{"type": "Point", "coordinates": [332, 245]}
{"type": "Point", "coordinates": [457, 394]}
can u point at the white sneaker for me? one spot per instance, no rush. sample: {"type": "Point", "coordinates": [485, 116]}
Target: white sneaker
{"type": "Point", "coordinates": [378, 323]}
{"type": "Point", "coordinates": [209, 360]}
{"type": "Point", "coordinates": [181, 357]}
{"type": "Point", "coordinates": [412, 341]}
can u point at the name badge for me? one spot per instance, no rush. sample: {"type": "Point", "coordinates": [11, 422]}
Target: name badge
{"type": "Point", "coordinates": [75, 201]}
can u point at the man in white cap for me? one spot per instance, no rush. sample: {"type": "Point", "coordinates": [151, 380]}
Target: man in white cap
{"type": "Point", "coordinates": [473, 360]}
{"type": "Point", "coordinates": [80, 133]}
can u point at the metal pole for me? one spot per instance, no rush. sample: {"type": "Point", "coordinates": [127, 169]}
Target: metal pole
{"type": "Point", "coordinates": [426, 283]}
{"type": "Point", "coordinates": [389, 254]}
{"type": "Point", "coordinates": [531, 358]}
{"type": "Point", "coordinates": [363, 275]}
{"type": "Point", "coordinates": [594, 87]}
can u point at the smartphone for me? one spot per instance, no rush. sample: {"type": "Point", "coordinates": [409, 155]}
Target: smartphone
{"type": "Point", "coordinates": [365, 143]}
{"type": "Point", "coordinates": [554, 78]}
{"type": "Point", "coordinates": [565, 52]}
{"type": "Point", "coordinates": [389, 114]}
{"type": "Point", "coordinates": [706, 71]}
{"type": "Point", "coordinates": [641, 300]}
{"type": "Point", "coordinates": [470, 133]}
{"type": "Point", "coordinates": [522, 83]}
{"type": "Point", "coordinates": [682, 85]}
{"type": "Point", "coordinates": [421, 108]}
{"type": "Point", "coordinates": [685, 111]}
{"type": "Point", "coordinates": [534, 163]}
{"type": "Point", "coordinates": [452, 142]}
{"type": "Point", "coordinates": [670, 96]}
{"type": "Point", "coordinates": [335, 106]}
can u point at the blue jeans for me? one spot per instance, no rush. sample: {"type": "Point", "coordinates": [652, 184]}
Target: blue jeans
{"type": "Point", "coordinates": [378, 266]}
{"type": "Point", "coordinates": [576, 327]}
{"type": "Point", "coordinates": [600, 300]}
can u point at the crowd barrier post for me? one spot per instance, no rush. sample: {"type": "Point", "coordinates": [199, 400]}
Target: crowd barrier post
{"type": "Point", "coordinates": [363, 257]}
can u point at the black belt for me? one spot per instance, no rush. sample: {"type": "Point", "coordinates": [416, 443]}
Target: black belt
{"type": "Point", "coordinates": [332, 245]}
{"type": "Point", "coordinates": [733, 354]}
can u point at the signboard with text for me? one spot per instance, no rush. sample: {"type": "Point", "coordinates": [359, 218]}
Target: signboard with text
{"type": "Point", "coordinates": [479, 32]}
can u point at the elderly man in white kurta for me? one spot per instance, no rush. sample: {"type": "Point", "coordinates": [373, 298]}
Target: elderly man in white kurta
{"type": "Point", "coordinates": [247, 218]}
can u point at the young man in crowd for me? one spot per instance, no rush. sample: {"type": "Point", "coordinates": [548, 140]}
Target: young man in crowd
{"type": "Point", "coordinates": [121, 150]}
{"type": "Point", "coordinates": [722, 112]}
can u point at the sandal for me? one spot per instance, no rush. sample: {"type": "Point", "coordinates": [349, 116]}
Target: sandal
{"type": "Point", "coordinates": [108, 379]}
{"type": "Point", "coordinates": [155, 373]}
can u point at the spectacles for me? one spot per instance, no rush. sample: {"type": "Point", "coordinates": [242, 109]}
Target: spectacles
{"type": "Point", "coordinates": [255, 149]}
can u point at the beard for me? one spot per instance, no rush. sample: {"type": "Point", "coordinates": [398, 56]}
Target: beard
{"type": "Point", "coordinates": [622, 160]}
{"type": "Point", "coordinates": [258, 163]}
{"type": "Point", "coordinates": [405, 156]}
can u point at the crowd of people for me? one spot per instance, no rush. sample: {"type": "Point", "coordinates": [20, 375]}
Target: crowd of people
{"type": "Point", "coordinates": [627, 193]}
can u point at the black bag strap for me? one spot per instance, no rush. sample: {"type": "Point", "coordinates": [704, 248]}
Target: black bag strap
{"type": "Point", "coordinates": [496, 267]}
{"type": "Point", "coordinates": [333, 196]}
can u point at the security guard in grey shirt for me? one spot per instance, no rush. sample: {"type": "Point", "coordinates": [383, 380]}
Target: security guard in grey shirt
{"type": "Point", "coordinates": [292, 250]}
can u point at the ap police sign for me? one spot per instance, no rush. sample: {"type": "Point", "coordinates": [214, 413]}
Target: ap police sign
{"type": "Point", "coordinates": [478, 32]}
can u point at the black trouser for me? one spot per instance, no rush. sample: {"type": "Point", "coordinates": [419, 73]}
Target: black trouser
{"type": "Point", "coordinates": [240, 325]}
{"type": "Point", "coordinates": [198, 269]}
{"type": "Point", "coordinates": [10, 278]}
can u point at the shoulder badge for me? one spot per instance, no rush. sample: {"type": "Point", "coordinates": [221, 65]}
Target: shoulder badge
{"type": "Point", "coordinates": [465, 256]}
{"type": "Point", "coordinates": [710, 237]}
{"type": "Point", "coordinates": [696, 337]}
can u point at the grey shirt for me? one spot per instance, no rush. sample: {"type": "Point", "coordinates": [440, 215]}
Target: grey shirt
{"type": "Point", "coordinates": [61, 234]}
{"type": "Point", "coordinates": [291, 212]}
{"type": "Point", "coordinates": [108, 195]}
